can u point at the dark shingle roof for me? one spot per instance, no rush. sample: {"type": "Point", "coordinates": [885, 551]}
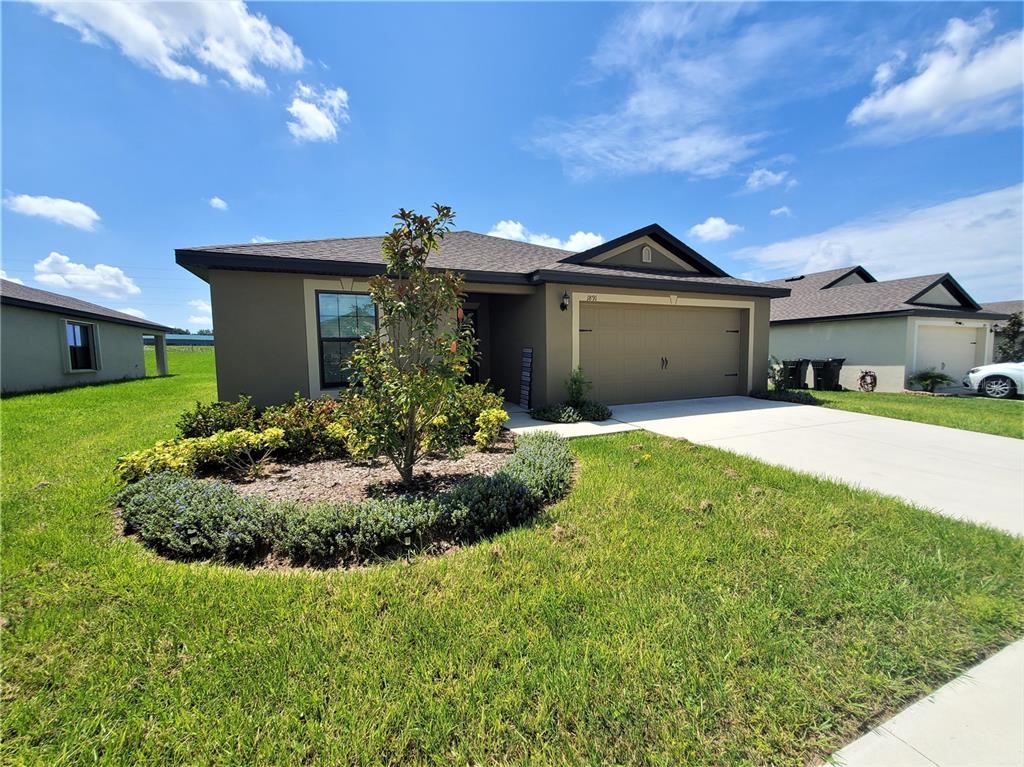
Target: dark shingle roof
{"type": "Point", "coordinates": [811, 300]}
{"type": "Point", "coordinates": [1005, 307]}
{"type": "Point", "coordinates": [479, 257]}
{"type": "Point", "coordinates": [13, 294]}
{"type": "Point", "coordinates": [462, 251]}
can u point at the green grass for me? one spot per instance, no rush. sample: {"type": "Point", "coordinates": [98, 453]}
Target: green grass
{"type": "Point", "coordinates": [627, 625]}
{"type": "Point", "coordinates": [1002, 417]}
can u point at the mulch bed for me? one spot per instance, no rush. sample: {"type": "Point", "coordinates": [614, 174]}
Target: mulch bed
{"type": "Point", "coordinates": [342, 480]}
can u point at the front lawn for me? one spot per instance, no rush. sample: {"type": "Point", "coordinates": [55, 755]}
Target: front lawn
{"type": "Point", "coordinates": [1002, 417]}
{"type": "Point", "coordinates": [682, 606]}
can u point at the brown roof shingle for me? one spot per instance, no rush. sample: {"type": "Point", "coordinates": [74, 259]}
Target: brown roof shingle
{"type": "Point", "coordinates": [811, 300]}
{"type": "Point", "coordinates": [14, 294]}
{"type": "Point", "coordinates": [478, 256]}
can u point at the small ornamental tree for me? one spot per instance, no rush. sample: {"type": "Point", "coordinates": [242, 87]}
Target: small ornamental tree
{"type": "Point", "coordinates": [404, 374]}
{"type": "Point", "coordinates": [1011, 342]}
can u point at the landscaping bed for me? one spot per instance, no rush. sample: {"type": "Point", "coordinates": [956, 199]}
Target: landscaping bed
{"type": "Point", "coordinates": [340, 479]}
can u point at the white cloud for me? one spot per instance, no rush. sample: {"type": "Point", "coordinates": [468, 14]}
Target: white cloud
{"type": "Point", "coordinates": [762, 178]}
{"type": "Point", "coordinates": [714, 228]}
{"type": "Point", "coordinates": [5, 276]}
{"type": "Point", "coordinates": [977, 239]}
{"type": "Point", "coordinates": [963, 83]}
{"type": "Point", "coordinates": [133, 312]}
{"type": "Point", "coordinates": [76, 214]}
{"type": "Point", "coordinates": [204, 316]}
{"type": "Point", "coordinates": [699, 81]}
{"type": "Point", "coordinates": [317, 112]}
{"type": "Point", "coordinates": [218, 203]}
{"type": "Point", "coordinates": [174, 38]}
{"type": "Point", "coordinates": [783, 211]}
{"type": "Point", "coordinates": [259, 238]}
{"type": "Point", "coordinates": [514, 230]}
{"type": "Point", "coordinates": [59, 271]}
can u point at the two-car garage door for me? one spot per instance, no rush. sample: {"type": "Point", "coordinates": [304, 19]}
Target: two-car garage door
{"type": "Point", "coordinates": [640, 353]}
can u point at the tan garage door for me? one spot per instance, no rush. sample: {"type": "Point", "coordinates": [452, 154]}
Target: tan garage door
{"type": "Point", "coordinates": [637, 353]}
{"type": "Point", "coordinates": [949, 349]}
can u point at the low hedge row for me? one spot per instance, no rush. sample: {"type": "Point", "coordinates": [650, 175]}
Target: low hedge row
{"type": "Point", "coordinates": [565, 412]}
{"type": "Point", "coordinates": [187, 518]}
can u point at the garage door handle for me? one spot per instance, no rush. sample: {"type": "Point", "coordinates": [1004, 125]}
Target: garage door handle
{"type": "Point", "coordinates": [732, 331]}
{"type": "Point", "coordinates": [731, 375]}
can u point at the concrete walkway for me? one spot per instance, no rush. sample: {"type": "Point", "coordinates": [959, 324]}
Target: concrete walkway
{"type": "Point", "coordinates": [963, 474]}
{"type": "Point", "coordinates": [977, 720]}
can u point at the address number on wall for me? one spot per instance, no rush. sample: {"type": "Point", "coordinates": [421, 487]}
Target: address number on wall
{"type": "Point", "coordinates": [591, 297]}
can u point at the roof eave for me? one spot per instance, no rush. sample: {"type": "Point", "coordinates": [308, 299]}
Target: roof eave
{"type": "Point", "coordinates": [200, 262]}
{"type": "Point", "coordinates": [24, 304]}
{"type": "Point", "coordinates": [680, 286]}
{"type": "Point", "coordinates": [922, 312]}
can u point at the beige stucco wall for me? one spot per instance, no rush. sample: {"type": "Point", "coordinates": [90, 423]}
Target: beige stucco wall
{"type": "Point", "coordinates": [558, 347]}
{"type": "Point", "coordinates": [260, 324]}
{"type": "Point", "coordinates": [881, 345]}
{"type": "Point", "coordinates": [33, 350]}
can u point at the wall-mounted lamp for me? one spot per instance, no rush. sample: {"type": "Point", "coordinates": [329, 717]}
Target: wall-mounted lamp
{"type": "Point", "coordinates": [565, 301]}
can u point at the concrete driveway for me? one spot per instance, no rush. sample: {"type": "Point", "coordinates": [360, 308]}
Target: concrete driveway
{"type": "Point", "coordinates": [964, 474]}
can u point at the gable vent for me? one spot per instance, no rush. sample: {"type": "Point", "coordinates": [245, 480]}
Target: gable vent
{"type": "Point", "coordinates": [645, 254]}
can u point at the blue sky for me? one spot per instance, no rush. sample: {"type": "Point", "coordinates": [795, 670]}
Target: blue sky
{"type": "Point", "coordinates": [773, 138]}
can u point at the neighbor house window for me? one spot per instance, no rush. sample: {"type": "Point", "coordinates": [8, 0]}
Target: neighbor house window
{"type": "Point", "coordinates": [81, 339]}
{"type": "Point", "coordinates": [342, 319]}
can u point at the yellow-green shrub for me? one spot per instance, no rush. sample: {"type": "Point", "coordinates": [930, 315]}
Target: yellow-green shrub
{"type": "Point", "coordinates": [239, 450]}
{"type": "Point", "coordinates": [488, 424]}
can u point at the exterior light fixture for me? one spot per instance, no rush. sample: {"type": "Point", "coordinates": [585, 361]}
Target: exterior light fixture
{"type": "Point", "coordinates": [565, 301]}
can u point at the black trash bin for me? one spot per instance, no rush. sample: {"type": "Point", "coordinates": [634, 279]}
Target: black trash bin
{"type": "Point", "coordinates": [795, 372]}
{"type": "Point", "coordinates": [826, 374]}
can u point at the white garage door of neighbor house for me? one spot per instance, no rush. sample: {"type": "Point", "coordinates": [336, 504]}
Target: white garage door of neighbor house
{"type": "Point", "coordinates": [948, 349]}
{"type": "Point", "coordinates": [638, 353]}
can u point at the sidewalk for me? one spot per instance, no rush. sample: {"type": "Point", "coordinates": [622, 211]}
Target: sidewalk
{"type": "Point", "coordinates": [977, 720]}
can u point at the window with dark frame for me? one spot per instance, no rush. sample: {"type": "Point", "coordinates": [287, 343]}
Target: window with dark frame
{"type": "Point", "coordinates": [81, 346]}
{"type": "Point", "coordinates": [341, 320]}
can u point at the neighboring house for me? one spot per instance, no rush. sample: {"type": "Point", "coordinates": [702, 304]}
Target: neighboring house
{"type": "Point", "coordinates": [1007, 308]}
{"type": "Point", "coordinates": [50, 341]}
{"type": "Point", "coordinates": [893, 327]}
{"type": "Point", "coordinates": [645, 316]}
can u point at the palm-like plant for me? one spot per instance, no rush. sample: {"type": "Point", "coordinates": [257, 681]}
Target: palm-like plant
{"type": "Point", "coordinates": [930, 379]}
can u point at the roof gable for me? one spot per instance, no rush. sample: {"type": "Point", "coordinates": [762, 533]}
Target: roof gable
{"type": "Point", "coordinates": [678, 255]}
{"type": "Point", "coordinates": [946, 293]}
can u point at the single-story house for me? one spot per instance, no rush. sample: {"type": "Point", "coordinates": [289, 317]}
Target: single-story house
{"type": "Point", "coordinates": [646, 316]}
{"type": "Point", "coordinates": [50, 341]}
{"type": "Point", "coordinates": [893, 327]}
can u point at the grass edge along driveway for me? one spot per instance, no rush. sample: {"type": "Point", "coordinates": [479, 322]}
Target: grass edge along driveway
{"type": "Point", "coordinates": [683, 605]}
{"type": "Point", "coordinates": [1004, 418]}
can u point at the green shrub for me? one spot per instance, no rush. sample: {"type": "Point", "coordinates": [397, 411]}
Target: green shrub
{"type": "Point", "coordinates": [928, 380]}
{"type": "Point", "coordinates": [488, 426]}
{"type": "Point", "coordinates": [482, 506]}
{"type": "Point", "coordinates": [594, 411]}
{"type": "Point", "coordinates": [237, 450]}
{"type": "Point", "coordinates": [204, 420]}
{"type": "Point", "coordinates": [304, 423]}
{"type": "Point", "coordinates": [188, 518]}
{"type": "Point", "coordinates": [543, 463]}
{"type": "Point", "coordinates": [796, 396]}
{"type": "Point", "coordinates": [577, 387]}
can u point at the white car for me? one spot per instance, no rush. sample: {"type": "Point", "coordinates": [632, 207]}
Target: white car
{"type": "Point", "coordinates": [1002, 380]}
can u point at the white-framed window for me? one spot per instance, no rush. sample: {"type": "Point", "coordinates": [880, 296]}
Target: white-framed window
{"type": "Point", "coordinates": [81, 346]}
